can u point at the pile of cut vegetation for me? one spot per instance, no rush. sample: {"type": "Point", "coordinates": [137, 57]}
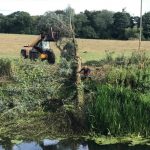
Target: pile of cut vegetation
{"type": "Point", "coordinates": [37, 88]}
{"type": "Point", "coordinates": [5, 70]}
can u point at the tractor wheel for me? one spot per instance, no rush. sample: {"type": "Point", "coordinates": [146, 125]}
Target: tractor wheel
{"type": "Point", "coordinates": [24, 53]}
{"type": "Point", "coordinates": [51, 57]}
{"type": "Point", "coordinates": [33, 55]}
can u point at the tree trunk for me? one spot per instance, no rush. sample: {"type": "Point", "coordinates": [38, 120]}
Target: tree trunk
{"type": "Point", "coordinates": [80, 92]}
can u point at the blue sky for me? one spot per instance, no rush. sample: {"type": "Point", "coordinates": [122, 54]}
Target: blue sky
{"type": "Point", "coordinates": [39, 7]}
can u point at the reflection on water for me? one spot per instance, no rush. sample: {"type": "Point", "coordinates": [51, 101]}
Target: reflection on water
{"type": "Point", "coordinates": [27, 146]}
{"type": "Point", "coordinates": [69, 145]}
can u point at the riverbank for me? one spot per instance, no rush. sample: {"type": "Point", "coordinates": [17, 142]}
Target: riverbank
{"type": "Point", "coordinates": [39, 125]}
{"type": "Point", "coordinates": [38, 101]}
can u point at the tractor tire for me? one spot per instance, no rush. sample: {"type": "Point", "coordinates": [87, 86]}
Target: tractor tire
{"type": "Point", "coordinates": [33, 55]}
{"type": "Point", "coordinates": [24, 53]}
{"type": "Point", "coordinates": [51, 57]}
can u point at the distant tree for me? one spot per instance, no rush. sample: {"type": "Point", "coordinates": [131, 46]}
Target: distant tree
{"type": "Point", "coordinates": [59, 12]}
{"type": "Point", "coordinates": [88, 24]}
{"type": "Point", "coordinates": [121, 22]}
{"type": "Point", "coordinates": [89, 15]}
{"type": "Point", "coordinates": [18, 22]}
{"type": "Point", "coordinates": [80, 21]}
{"type": "Point", "coordinates": [34, 25]}
{"type": "Point", "coordinates": [132, 33]}
{"type": "Point", "coordinates": [88, 32]}
{"type": "Point", "coordinates": [2, 19]}
{"type": "Point", "coordinates": [7, 25]}
{"type": "Point", "coordinates": [102, 21]}
{"type": "Point", "coordinates": [134, 21]}
{"type": "Point", "coordinates": [146, 25]}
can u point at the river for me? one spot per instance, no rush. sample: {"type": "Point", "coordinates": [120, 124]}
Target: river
{"type": "Point", "coordinates": [47, 144]}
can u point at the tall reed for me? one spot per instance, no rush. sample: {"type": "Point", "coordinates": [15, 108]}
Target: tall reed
{"type": "Point", "coordinates": [119, 111]}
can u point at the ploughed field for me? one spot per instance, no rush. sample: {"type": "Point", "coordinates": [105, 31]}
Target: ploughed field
{"type": "Point", "coordinates": [89, 49]}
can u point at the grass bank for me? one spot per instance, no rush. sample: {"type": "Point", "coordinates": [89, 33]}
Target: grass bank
{"type": "Point", "coordinates": [38, 97]}
{"type": "Point", "coordinates": [120, 102]}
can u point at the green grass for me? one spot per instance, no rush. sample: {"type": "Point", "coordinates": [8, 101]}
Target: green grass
{"type": "Point", "coordinates": [119, 111]}
{"type": "Point", "coordinates": [120, 103]}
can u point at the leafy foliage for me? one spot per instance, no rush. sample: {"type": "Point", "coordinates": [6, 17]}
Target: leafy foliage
{"type": "Point", "coordinates": [146, 25]}
{"type": "Point", "coordinates": [102, 24]}
{"type": "Point", "coordinates": [119, 111]}
{"type": "Point", "coordinates": [121, 22]}
{"type": "Point", "coordinates": [18, 22]}
{"type": "Point", "coordinates": [5, 67]}
{"type": "Point", "coordinates": [32, 84]}
{"type": "Point", "coordinates": [119, 104]}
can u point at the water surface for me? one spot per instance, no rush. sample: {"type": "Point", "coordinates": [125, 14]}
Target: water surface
{"type": "Point", "coordinates": [68, 145]}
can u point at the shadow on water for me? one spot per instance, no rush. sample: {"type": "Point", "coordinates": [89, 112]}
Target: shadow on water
{"type": "Point", "coordinates": [47, 144]}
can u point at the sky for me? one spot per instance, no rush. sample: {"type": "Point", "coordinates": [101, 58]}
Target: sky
{"type": "Point", "coordinates": [39, 7]}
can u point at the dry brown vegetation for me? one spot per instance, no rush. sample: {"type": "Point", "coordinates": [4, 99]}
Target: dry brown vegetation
{"type": "Point", "coordinates": [10, 45]}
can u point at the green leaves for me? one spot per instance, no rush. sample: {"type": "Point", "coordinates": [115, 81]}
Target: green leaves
{"type": "Point", "coordinates": [121, 102]}
{"type": "Point", "coordinates": [33, 82]}
{"type": "Point", "coordinates": [146, 25]}
{"type": "Point", "coordinates": [120, 110]}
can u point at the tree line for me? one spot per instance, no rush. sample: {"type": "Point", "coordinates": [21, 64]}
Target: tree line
{"type": "Point", "coordinates": [88, 24]}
